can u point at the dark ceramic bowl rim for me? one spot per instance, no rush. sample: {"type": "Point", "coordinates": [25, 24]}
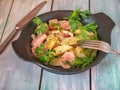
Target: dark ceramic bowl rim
{"type": "Point", "coordinates": [60, 70]}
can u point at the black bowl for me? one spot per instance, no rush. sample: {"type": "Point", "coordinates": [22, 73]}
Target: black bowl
{"type": "Point", "coordinates": [22, 45]}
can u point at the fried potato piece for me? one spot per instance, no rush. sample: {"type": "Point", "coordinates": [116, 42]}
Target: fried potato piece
{"type": "Point", "coordinates": [61, 49]}
{"type": "Point", "coordinates": [80, 52]}
{"type": "Point", "coordinates": [51, 43]}
{"type": "Point", "coordinates": [70, 41]}
{"type": "Point", "coordinates": [55, 62]}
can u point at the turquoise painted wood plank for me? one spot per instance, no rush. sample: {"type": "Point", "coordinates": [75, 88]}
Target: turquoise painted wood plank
{"type": "Point", "coordinates": [16, 74]}
{"type": "Point", "coordinates": [52, 81]}
{"type": "Point", "coordinates": [105, 76]}
{"type": "Point", "coordinates": [5, 6]}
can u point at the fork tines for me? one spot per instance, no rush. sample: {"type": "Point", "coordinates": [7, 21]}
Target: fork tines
{"type": "Point", "coordinates": [94, 44]}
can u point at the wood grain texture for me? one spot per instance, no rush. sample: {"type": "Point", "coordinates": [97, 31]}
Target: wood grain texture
{"type": "Point", "coordinates": [52, 81]}
{"type": "Point", "coordinates": [19, 10]}
{"type": "Point", "coordinates": [70, 4]}
{"type": "Point", "coordinates": [16, 74]}
{"type": "Point", "coordinates": [4, 12]}
{"type": "Point", "coordinates": [105, 76]}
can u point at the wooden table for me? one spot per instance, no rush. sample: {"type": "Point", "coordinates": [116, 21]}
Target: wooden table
{"type": "Point", "coordinates": [16, 74]}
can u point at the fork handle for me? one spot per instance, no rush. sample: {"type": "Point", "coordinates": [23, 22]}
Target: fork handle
{"type": "Point", "coordinates": [115, 52]}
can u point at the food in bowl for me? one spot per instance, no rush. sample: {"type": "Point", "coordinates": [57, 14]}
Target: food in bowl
{"type": "Point", "coordinates": [53, 41]}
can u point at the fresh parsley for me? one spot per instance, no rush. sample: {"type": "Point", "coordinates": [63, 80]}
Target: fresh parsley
{"type": "Point", "coordinates": [42, 27]}
{"type": "Point", "coordinates": [75, 17]}
{"type": "Point", "coordinates": [74, 24]}
{"type": "Point", "coordinates": [83, 61]}
{"type": "Point", "coordinates": [79, 15]}
{"type": "Point", "coordinates": [37, 21]}
{"type": "Point", "coordinates": [84, 14]}
{"type": "Point", "coordinates": [45, 56]}
{"type": "Point", "coordinates": [91, 27]}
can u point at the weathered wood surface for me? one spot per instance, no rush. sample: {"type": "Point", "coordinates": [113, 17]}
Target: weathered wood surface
{"type": "Point", "coordinates": [16, 74]}
{"type": "Point", "coordinates": [105, 76]}
{"type": "Point", "coordinates": [52, 81]}
{"type": "Point", "coordinates": [70, 4]}
{"type": "Point", "coordinates": [4, 12]}
{"type": "Point", "coordinates": [66, 82]}
{"type": "Point", "coordinates": [20, 9]}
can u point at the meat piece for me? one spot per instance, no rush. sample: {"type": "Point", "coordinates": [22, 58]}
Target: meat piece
{"type": "Point", "coordinates": [67, 56]}
{"type": "Point", "coordinates": [66, 35]}
{"type": "Point", "coordinates": [54, 21]}
{"type": "Point", "coordinates": [64, 65]}
{"type": "Point", "coordinates": [64, 25]}
{"type": "Point", "coordinates": [38, 40]}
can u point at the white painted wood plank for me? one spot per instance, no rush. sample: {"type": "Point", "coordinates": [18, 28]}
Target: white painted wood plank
{"type": "Point", "coordinates": [19, 10]}
{"type": "Point", "coordinates": [70, 4]}
{"type": "Point", "coordinates": [16, 74]}
{"type": "Point", "coordinates": [5, 6]}
{"type": "Point", "coordinates": [105, 76]}
{"type": "Point", "coordinates": [52, 81]}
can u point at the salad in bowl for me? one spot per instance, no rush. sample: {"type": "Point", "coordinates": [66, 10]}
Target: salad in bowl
{"type": "Point", "coordinates": [53, 41]}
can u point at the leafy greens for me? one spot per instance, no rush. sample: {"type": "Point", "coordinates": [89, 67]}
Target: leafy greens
{"type": "Point", "coordinates": [41, 26]}
{"type": "Point", "coordinates": [44, 56]}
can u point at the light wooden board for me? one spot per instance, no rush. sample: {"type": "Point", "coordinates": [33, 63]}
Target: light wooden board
{"type": "Point", "coordinates": [105, 76]}
{"type": "Point", "coordinates": [16, 74]}
{"type": "Point", "coordinates": [4, 11]}
{"type": "Point", "coordinates": [52, 81]}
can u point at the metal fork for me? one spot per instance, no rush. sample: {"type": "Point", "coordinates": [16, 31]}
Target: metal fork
{"type": "Point", "coordinates": [98, 45]}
